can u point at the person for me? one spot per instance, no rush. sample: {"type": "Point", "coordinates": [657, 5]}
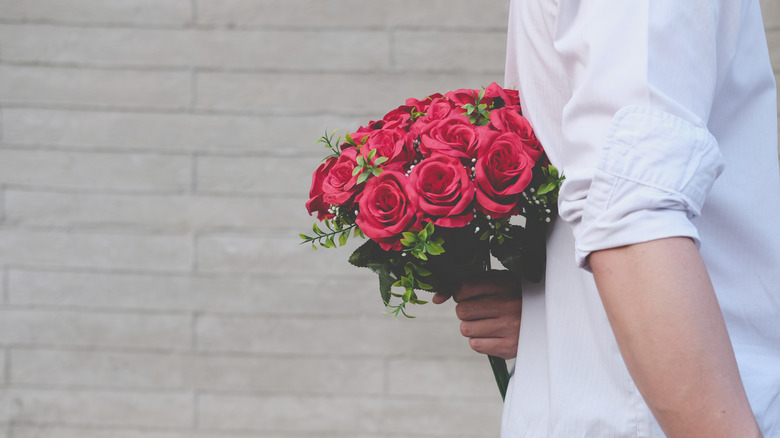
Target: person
{"type": "Point", "coordinates": [660, 311]}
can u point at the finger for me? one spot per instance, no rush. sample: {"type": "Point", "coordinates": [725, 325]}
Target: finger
{"type": "Point", "coordinates": [499, 347]}
{"type": "Point", "coordinates": [491, 328]}
{"type": "Point", "coordinates": [440, 297]}
{"type": "Point", "coordinates": [491, 306]}
{"type": "Point", "coordinates": [492, 283]}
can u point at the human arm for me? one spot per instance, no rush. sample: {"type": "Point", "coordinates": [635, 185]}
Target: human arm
{"type": "Point", "coordinates": [665, 316]}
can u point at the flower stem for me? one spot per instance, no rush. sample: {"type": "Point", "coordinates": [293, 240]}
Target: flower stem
{"type": "Point", "coordinates": [497, 364]}
{"type": "Point", "coordinates": [501, 374]}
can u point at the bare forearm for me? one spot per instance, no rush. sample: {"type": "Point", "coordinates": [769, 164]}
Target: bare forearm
{"type": "Point", "coordinates": [672, 336]}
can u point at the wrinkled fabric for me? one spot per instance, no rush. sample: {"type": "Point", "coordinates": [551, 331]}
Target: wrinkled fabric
{"type": "Point", "coordinates": [663, 117]}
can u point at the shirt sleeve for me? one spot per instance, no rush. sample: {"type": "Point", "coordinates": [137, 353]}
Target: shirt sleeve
{"type": "Point", "coordinates": [638, 156]}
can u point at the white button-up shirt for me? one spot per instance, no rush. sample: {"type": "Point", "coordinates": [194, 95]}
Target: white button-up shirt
{"type": "Point", "coordinates": [662, 116]}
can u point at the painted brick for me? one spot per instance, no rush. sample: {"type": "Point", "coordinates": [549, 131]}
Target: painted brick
{"type": "Point", "coordinates": [41, 85]}
{"type": "Point", "coordinates": [353, 13]}
{"type": "Point", "coordinates": [183, 371]}
{"type": "Point", "coordinates": [335, 414]}
{"type": "Point", "coordinates": [95, 250]}
{"type": "Point", "coordinates": [443, 51]}
{"type": "Point", "coordinates": [170, 132]}
{"type": "Point", "coordinates": [441, 377]}
{"type": "Point", "coordinates": [256, 175]}
{"type": "Point", "coordinates": [95, 171]}
{"type": "Point", "coordinates": [771, 12]}
{"type": "Point", "coordinates": [3, 278]}
{"type": "Point", "coordinates": [4, 355]}
{"type": "Point", "coordinates": [266, 294]}
{"type": "Point", "coordinates": [271, 49]}
{"type": "Point", "coordinates": [97, 408]}
{"type": "Point", "coordinates": [342, 93]}
{"type": "Point", "coordinates": [175, 213]}
{"type": "Point", "coordinates": [773, 39]}
{"type": "Point", "coordinates": [380, 335]}
{"type": "Point", "coordinates": [86, 329]}
{"type": "Point", "coordinates": [150, 12]}
{"type": "Point", "coordinates": [283, 254]}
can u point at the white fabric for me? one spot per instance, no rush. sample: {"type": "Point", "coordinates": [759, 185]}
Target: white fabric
{"type": "Point", "coordinates": [662, 115]}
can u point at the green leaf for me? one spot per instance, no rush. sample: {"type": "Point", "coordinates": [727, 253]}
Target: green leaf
{"type": "Point", "coordinates": [343, 238]}
{"type": "Point", "coordinates": [356, 170]}
{"type": "Point", "coordinates": [380, 160]}
{"type": "Point", "coordinates": [376, 172]}
{"type": "Point", "coordinates": [422, 271]}
{"type": "Point", "coordinates": [424, 286]}
{"type": "Point", "coordinates": [316, 229]}
{"type": "Point", "coordinates": [545, 188]}
{"type": "Point", "coordinates": [408, 238]}
{"type": "Point", "coordinates": [371, 256]}
{"type": "Point", "coordinates": [363, 177]}
{"type": "Point", "coordinates": [434, 249]}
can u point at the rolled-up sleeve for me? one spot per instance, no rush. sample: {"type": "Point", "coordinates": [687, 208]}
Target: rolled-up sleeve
{"type": "Point", "coordinates": [638, 156]}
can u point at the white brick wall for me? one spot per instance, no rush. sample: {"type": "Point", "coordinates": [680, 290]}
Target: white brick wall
{"type": "Point", "coordinates": [154, 161]}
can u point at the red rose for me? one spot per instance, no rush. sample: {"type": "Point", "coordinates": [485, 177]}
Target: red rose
{"type": "Point", "coordinates": [465, 97]}
{"type": "Point", "coordinates": [398, 117]}
{"type": "Point", "coordinates": [509, 97]}
{"type": "Point", "coordinates": [421, 106]}
{"type": "Point", "coordinates": [316, 202]}
{"type": "Point", "coordinates": [454, 136]}
{"type": "Point", "coordinates": [503, 170]}
{"type": "Point", "coordinates": [361, 135]}
{"type": "Point", "coordinates": [395, 144]}
{"type": "Point", "coordinates": [439, 109]}
{"type": "Point", "coordinates": [387, 208]}
{"type": "Point", "coordinates": [445, 190]}
{"type": "Point", "coordinates": [510, 120]}
{"type": "Point", "coordinates": [339, 185]}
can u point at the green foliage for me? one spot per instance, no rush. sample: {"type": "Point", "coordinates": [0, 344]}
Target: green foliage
{"type": "Point", "coordinates": [339, 228]}
{"type": "Point", "coordinates": [420, 244]}
{"type": "Point", "coordinates": [327, 140]}
{"type": "Point", "coordinates": [478, 113]}
{"type": "Point", "coordinates": [365, 168]}
{"type": "Point", "coordinates": [548, 190]}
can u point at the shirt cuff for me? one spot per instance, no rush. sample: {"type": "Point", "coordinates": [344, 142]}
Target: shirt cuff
{"type": "Point", "coordinates": [655, 172]}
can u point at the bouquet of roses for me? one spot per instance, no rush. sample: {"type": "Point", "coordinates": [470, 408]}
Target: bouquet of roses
{"type": "Point", "coordinates": [433, 186]}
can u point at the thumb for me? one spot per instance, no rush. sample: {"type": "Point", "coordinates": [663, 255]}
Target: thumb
{"type": "Point", "coordinates": [440, 297]}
